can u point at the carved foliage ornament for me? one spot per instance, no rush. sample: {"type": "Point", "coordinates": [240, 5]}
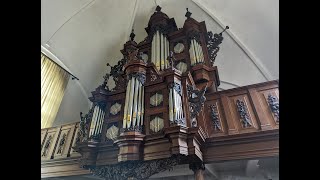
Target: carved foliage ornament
{"type": "Point", "coordinates": [213, 42]}
{"type": "Point", "coordinates": [137, 128]}
{"type": "Point", "coordinates": [244, 116]}
{"type": "Point", "coordinates": [193, 35]}
{"type": "Point", "coordinates": [215, 117]}
{"type": "Point", "coordinates": [196, 100]}
{"type": "Point", "coordinates": [138, 170]}
{"type": "Point", "coordinates": [116, 73]}
{"type": "Point", "coordinates": [274, 106]}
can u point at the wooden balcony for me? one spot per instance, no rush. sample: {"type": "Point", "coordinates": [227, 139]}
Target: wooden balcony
{"type": "Point", "coordinates": [238, 123]}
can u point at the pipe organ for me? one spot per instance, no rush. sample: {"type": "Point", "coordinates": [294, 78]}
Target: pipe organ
{"type": "Point", "coordinates": [156, 108]}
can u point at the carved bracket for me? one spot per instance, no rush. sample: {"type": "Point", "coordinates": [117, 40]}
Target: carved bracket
{"type": "Point", "coordinates": [274, 106]}
{"type": "Point", "coordinates": [137, 170]}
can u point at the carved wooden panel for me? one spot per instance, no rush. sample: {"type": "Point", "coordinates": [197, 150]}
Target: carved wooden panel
{"type": "Point", "coordinates": [49, 143]}
{"type": "Point", "coordinates": [242, 113]}
{"type": "Point", "coordinates": [64, 141]}
{"type": "Point", "coordinates": [75, 139]}
{"type": "Point", "coordinates": [271, 115]}
{"type": "Point", "coordinates": [216, 122]}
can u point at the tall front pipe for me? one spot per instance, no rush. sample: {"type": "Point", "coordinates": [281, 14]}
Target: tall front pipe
{"type": "Point", "coordinates": [129, 118]}
{"type": "Point", "coordinates": [165, 52]}
{"type": "Point", "coordinates": [153, 49]}
{"type": "Point", "coordinates": [142, 106]}
{"type": "Point", "coordinates": [135, 102]}
{"type": "Point", "coordinates": [139, 104]}
{"type": "Point", "coordinates": [200, 52]}
{"type": "Point", "coordinates": [158, 51]}
{"type": "Point", "coordinates": [170, 105]}
{"type": "Point", "coordinates": [125, 112]}
{"type": "Point", "coordinates": [162, 51]}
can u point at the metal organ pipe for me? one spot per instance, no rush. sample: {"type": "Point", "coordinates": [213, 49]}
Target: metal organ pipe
{"type": "Point", "coordinates": [129, 116]}
{"type": "Point", "coordinates": [135, 102]}
{"type": "Point", "coordinates": [96, 123]}
{"type": "Point", "coordinates": [195, 51]}
{"type": "Point", "coordinates": [142, 106]}
{"type": "Point", "coordinates": [158, 51]}
{"type": "Point", "coordinates": [139, 104]}
{"type": "Point", "coordinates": [161, 51]}
{"type": "Point", "coordinates": [153, 49]}
{"type": "Point", "coordinates": [125, 113]}
{"type": "Point", "coordinates": [165, 52]}
{"type": "Point", "coordinates": [192, 53]}
{"type": "Point", "coordinates": [170, 106]}
{"type": "Point", "coordinates": [200, 52]}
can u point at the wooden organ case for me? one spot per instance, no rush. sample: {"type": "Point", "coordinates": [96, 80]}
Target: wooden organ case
{"type": "Point", "coordinates": [153, 119]}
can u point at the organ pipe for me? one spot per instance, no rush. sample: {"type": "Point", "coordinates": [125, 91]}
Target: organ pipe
{"type": "Point", "coordinates": [165, 53]}
{"type": "Point", "coordinates": [162, 51]}
{"type": "Point", "coordinates": [157, 51]}
{"type": "Point", "coordinates": [153, 49]}
{"type": "Point", "coordinates": [135, 102]}
{"type": "Point", "coordinates": [139, 104]}
{"type": "Point", "coordinates": [170, 106]}
{"type": "Point", "coordinates": [142, 106]}
{"type": "Point", "coordinates": [125, 113]}
{"type": "Point", "coordinates": [129, 116]}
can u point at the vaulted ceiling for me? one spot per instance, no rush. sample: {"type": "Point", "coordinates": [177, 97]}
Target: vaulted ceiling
{"type": "Point", "coordinates": [84, 35]}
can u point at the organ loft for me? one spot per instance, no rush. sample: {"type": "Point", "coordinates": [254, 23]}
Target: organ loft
{"type": "Point", "coordinates": [165, 109]}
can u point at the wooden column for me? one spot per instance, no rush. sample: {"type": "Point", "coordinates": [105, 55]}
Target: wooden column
{"type": "Point", "coordinates": [198, 170]}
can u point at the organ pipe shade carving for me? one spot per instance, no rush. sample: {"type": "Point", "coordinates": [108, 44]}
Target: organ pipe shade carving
{"type": "Point", "coordinates": [54, 81]}
{"type": "Point", "coordinates": [156, 124]}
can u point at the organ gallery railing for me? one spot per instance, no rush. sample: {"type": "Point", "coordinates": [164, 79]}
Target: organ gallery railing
{"type": "Point", "coordinates": [229, 113]}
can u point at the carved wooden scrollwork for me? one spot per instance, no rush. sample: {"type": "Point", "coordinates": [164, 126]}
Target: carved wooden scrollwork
{"type": "Point", "coordinates": [140, 76]}
{"type": "Point", "coordinates": [196, 100]}
{"type": "Point", "coordinates": [274, 106]}
{"type": "Point", "coordinates": [215, 118]}
{"type": "Point", "coordinates": [138, 170]}
{"type": "Point", "coordinates": [213, 42]}
{"type": "Point", "coordinates": [243, 112]}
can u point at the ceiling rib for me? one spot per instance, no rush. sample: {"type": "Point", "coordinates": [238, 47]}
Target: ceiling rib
{"type": "Point", "coordinates": [86, 5]}
{"type": "Point", "coordinates": [251, 56]}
